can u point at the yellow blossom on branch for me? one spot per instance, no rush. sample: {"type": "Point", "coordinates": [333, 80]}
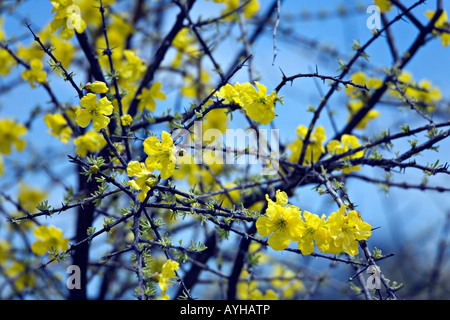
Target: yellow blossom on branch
{"type": "Point", "coordinates": [11, 132]}
{"type": "Point", "coordinates": [58, 126]}
{"type": "Point", "coordinates": [132, 68]}
{"type": "Point", "coordinates": [95, 111]}
{"type": "Point", "coordinates": [161, 154]}
{"type": "Point", "coordinates": [384, 5]}
{"type": "Point", "coordinates": [269, 295]}
{"type": "Point", "coordinates": [315, 146]}
{"type": "Point", "coordinates": [49, 239]}
{"type": "Point", "coordinates": [35, 73]}
{"type": "Point", "coordinates": [346, 230]}
{"type": "Point", "coordinates": [97, 87]}
{"type": "Point", "coordinates": [354, 106]}
{"type": "Point", "coordinates": [249, 10]}
{"type": "Point", "coordinates": [148, 96]}
{"type": "Point", "coordinates": [257, 104]}
{"type": "Point", "coordinates": [7, 62]}
{"type": "Point", "coordinates": [23, 278]}
{"type": "Point", "coordinates": [282, 223]}
{"type": "Point", "coordinates": [126, 120]}
{"type": "Point", "coordinates": [314, 231]}
{"type": "Point", "coordinates": [91, 141]}
{"type": "Point", "coordinates": [166, 276]}
{"type": "Point", "coordinates": [29, 197]}
{"type": "Point", "coordinates": [145, 179]}
{"type": "Point", "coordinates": [441, 23]}
{"type": "Point", "coordinates": [347, 143]}
{"type": "Point", "coordinates": [67, 17]}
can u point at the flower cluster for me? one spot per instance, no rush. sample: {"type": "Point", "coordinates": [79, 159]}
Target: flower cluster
{"type": "Point", "coordinates": [423, 92]}
{"type": "Point", "coordinates": [145, 179]}
{"type": "Point", "coordinates": [11, 133]}
{"type": "Point", "coordinates": [340, 232]}
{"type": "Point", "coordinates": [35, 73]}
{"type": "Point", "coordinates": [161, 156]}
{"type": "Point", "coordinates": [50, 238]}
{"type": "Point", "coordinates": [257, 104]}
{"type": "Point", "coordinates": [67, 18]}
{"type": "Point", "coordinates": [358, 97]}
{"type": "Point", "coordinates": [58, 126]}
{"type": "Point", "coordinates": [314, 149]}
{"type": "Point", "coordinates": [347, 143]}
{"type": "Point", "coordinates": [250, 9]}
{"type": "Point", "coordinates": [443, 24]}
{"type": "Point", "coordinates": [148, 96]}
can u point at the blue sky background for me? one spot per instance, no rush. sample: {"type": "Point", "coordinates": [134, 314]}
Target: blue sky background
{"type": "Point", "coordinates": [404, 216]}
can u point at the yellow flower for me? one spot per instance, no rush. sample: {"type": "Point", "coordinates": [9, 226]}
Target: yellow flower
{"type": "Point", "coordinates": [50, 238]}
{"type": "Point", "coordinates": [23, 278]}
{"type": "Point", "coordinates": [5, 251]}
{"type": "Point", "coordinates": [314, 149]}
{"type": "Point", "coordinates": [441, 23]}
{"type": "Point", "coordinates": [360, 78]}
{"type": "Point", "coordinates": [97, 87]}
{"type": "Point", "coordinates": [91, 141]}
{"type": "Point", "coordinates": [145, 179]}
{"type": "Point", "coordinates": [245, 286]}
{"type": "Point", "coordinates": [148, 96]}
{"type": "Point", "coordinates": [33, 51]}
{"type": "Point", "coordinates": [424, 93]}
{"type": "Point", "coordinates": [184, 43]}
{"type": "Point", "coordinates": [6, 62]}
{"type": "Point", "coordinates": [193, 87]}
{"type": "Point", "coordinates": [126, 120]}
{"type": "Point", "coordinates": [11, 132]}
{"type": "Point", "coordinates": [35, 73]}
{"type": "Point", "coordinates": [161, 155]}
{"type": "Point", "coordinates": [288, 287]}
{"type": "Point", "coordinates": [250, 10]}
{"type": "Point", "coordinates": [314, 231]}
{"type": "Point", "coordinates": [63, 50]}
{"type": "Point", "coordinates": [133, 68]}
{"type": "Point", "coordinates": [346, 230]}
{"type": "Point", "coordinates": [196, 174]}
{"type": "Point", "coordinates": [95, 111]}
{"type": "Point", "coordinates": [347, 143]}
{"type": "Point", "coordinates": [229, 93]}
{"type": "Point", "coordinates": [234, 195]}
{"type": "Point", "coordinates": [166, 276]}
{"type": "Point", "coordinates": [216, 119]}
{"type": "Point", "coordinates": [58, 126]}
{"type": "Point", "coordinates": [118, 28]}
{"type": "Point", "coordinates": [1, 165]}
{"type": "Point", "coordinates": [30, 197]}
{"type": "Point", "coordinates": [258, 106]}
{"type": "Point", "coordinates": [67, 17]}
{"type": "Point", "coordinates": [354, 106]}
{"type": "Point", "coordinates": [281, 223]}
{"type": "Point", "coordinates": [384, 5]}
{"type": "Point", "coordinates": [2, 32]}
{"type": "Point", "coordinates": [257, 295]}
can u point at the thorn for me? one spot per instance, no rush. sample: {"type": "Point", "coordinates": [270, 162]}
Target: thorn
{"type": "Point", "coordinates": [283, 76]}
